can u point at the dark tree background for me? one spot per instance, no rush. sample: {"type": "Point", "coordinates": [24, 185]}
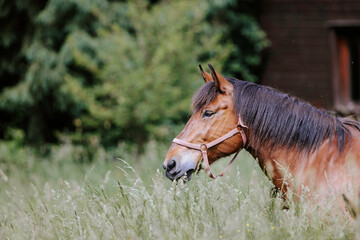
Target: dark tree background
{"type": "Point", "coordinates": [103, 72]}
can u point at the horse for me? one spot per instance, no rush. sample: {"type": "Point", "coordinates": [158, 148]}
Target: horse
{"type": "Point", "coordinates": [297, 145]}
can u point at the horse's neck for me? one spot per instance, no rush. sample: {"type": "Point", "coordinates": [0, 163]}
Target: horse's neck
{"type": "Point", "coordinates": [324, 170]}
{"type": "Point", "coordinates": [278, 164]}
{"type": "Point", "coordinates": [287, 168]}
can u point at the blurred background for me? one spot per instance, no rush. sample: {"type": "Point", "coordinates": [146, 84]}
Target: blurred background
{"type": "Point", "coordinates": [104, 72]}
{"type": "Point", "coordinates": [80, 80]}
{"type": "Point", "coordinates": [92, 92]}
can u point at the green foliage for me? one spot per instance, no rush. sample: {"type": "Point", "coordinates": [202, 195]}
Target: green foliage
{"type": "Point", "coordinates": [238, 24]}
{"type": "Point", "coordinates": [104, 72]}
{"type": "Point", "coordinates": [146, 83]}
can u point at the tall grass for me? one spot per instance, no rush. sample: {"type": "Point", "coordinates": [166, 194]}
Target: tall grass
{"type": "Point", "coordinates": [121, 195]}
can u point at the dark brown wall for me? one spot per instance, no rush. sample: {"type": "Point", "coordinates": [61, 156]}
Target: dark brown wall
{"type": "Point", "coordinates": [299, 60]}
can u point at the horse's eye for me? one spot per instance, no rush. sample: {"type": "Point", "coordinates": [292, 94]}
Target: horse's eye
{"type": "Point", "coordinates": [207, 114]}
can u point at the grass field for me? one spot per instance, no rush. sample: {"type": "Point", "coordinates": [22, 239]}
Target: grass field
{"type": "Point", "coordinates": [120, 195]}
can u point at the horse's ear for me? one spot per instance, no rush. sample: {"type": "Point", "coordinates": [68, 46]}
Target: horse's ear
{"type": "Point", "coordinates": [206, 76]}
{"type": "Point", "coordinates": [220, 81]}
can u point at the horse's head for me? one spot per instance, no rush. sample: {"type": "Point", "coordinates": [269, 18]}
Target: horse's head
{"type": "Point", "coordinates": [213, 116]}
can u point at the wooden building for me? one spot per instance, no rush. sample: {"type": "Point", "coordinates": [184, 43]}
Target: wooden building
{"type": "Point", "coordinates": [315, 51]}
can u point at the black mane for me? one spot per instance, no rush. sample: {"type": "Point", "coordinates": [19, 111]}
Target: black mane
{"type": "Point", "coordinates": [278, 119]}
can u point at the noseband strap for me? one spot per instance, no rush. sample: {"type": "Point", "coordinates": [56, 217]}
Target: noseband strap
{"type": "Point", "coordinates": [203, 148]}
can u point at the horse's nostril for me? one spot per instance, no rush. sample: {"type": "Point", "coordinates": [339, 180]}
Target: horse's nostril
{"type": "Point", "coordinates": [171, 165]}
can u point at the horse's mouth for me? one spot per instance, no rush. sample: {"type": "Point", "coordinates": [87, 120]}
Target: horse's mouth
{"type": "Point", "coordinates": [188, 174]}
{"type": "Point", "coordinates": [185, 176]}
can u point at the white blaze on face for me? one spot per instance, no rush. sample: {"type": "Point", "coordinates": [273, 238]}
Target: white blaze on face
{"type": "Point", "coordinates": [187, 160]}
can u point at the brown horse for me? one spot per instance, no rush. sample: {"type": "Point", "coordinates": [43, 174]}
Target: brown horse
{"type": "Point", "coordinates": [296, 144]}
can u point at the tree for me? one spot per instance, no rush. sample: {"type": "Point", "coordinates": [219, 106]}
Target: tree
{"type": "Point", "coordinates": [103, 71]}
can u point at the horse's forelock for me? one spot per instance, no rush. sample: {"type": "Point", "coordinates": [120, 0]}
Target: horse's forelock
{"type": "Point", "coordinates": [205, 95]}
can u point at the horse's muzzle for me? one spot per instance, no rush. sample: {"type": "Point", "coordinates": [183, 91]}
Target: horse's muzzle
{"type": "Point", "coordinates": [174, 171]}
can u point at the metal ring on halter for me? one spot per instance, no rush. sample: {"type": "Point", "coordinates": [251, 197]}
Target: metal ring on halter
{"type": "Point", "coordinates": [240, 128]}
{"type": "Point", "coordinates": [203, 147]}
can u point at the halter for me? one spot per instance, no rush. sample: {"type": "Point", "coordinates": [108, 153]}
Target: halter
{"type": "Point", "coordinates": [204, 147]}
